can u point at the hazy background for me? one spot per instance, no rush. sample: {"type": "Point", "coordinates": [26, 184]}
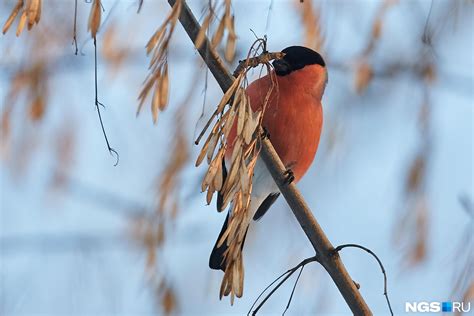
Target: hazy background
{"type": "Point", "coordinates": [394, 171]}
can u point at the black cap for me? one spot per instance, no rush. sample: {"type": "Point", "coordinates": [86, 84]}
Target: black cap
{"type": "Point", "coordinates": [296, 57]}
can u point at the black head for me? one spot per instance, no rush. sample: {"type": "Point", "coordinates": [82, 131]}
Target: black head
{"type": "Point", "coordinates": [296, 57]}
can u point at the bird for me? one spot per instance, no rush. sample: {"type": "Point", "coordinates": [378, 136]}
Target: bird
{"type": "Point", "coordinates": [292, 120]}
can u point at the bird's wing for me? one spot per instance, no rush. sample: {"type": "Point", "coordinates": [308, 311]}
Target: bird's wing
{"type": "Point", "coordinates": [263, 208]}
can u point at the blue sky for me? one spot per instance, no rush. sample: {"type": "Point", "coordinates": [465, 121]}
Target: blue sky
{"type": "Point", "coordinates": [71, 252]}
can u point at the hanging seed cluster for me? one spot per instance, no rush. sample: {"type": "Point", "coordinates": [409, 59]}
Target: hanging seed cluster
{"type": "Point", "coordinates": [157, 80]}
{"type": "Point", "coordinates": [226, 26]}
{"type": "Point", "coordinates": [237, 186]}
{"type": "Point", "coordinates": [240, 157]}
{"type": "Point", "coordinates": [364, 72]}
{"type": "Point", "coordinates": [31, 14]}
{"type": "Point", "coordinates": [311, 20]}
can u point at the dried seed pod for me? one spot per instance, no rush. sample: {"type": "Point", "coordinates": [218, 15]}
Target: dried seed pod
{"type": "Point", "coordinates": [228, 197]}
{"type": "Point", "coordinates": [212, 147]}
{"type": "Point", "coordinates": [202, 31]}
{"type": "Point", "coordinates": [155, 39]}
{"type": "Point", "coordinates": [37, 108]}
{"type": "Point", "coordinates": [155, 102]}
{"type": "Point", "coordinates": [212, 170]}
{"type": "Point", "coordinates": [38, 13]}
{"type": "Point", "coordinates": [217, 38]}
{"type": "Point", "coordinates": [231, 177]}
{"type": "Point", "coordinates": [94, 18]}
{"type": "Point", "coordinates": [203, 152]}
{"type": "Point", "coordinates": [250, 126]}
{"type": "Point", "coordinates": [244, 178]}
{"type": "Point", "coordinates": [363, 76]}
{"type": "Point", "coordinates": [238, 278]}
{"type": "Point", "coordinates": [12, 16]}
{"type": "Point", "coordinates": [231, 38]}
{"type": "Point", "coordinates": [21, 23]}
{"type": "Point", "coordinates": [228, 94]}
{"type": "Point", "coordinates": [230, 47]}
{"type": "Point", "coordinates": [209, 195]}
{"type": "Point", "coordinates": [236, 151]}
{"type": "Point", "coordinates": [239, 94]}
{"type": "Point", "coordinates": [225, 286]}
{"type": "Point", "coordinates": [164, 88]}
{"type": "Point", "coordinates": [377, 28]}
{"type": "Point", "coordinates": [219, 178]}
{"type": "Point", "coordinates": [32, 11]}
{"type": "Point", "coordinates": [241, 116]}
{"type": "Point", "coordinates": [229, 123]}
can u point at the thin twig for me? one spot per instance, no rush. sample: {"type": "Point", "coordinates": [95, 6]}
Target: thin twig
{"type": "Point", "coordinates": [112, 151]}
{"type": "Point", "coordinates": [293, 291]}
{"type": "Point", "coordinates": [140, 3]}
{"type": "Point", "coordinates": [427, 33]}
{"type": "Point", "coordinates": [385, 292]}
{"type": "Point", "coordinates": [270, 7]}
{"type": "Point", "coordinates": [74, 32]}
{"type": "Point", "coordinates": [206, 126]}
{"type": "Point", "coordinates": [288, 274]}
{"type": "Point", "coordinates": [268, 286]}
{"type": "Point", "coordinates": [253, 62]}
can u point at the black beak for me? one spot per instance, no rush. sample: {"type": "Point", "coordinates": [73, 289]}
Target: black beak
{"type": "Point", "coordinates": [281, 67]}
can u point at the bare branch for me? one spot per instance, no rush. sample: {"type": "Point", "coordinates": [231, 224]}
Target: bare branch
{"type": "Point", "coordinates": [314, 232]}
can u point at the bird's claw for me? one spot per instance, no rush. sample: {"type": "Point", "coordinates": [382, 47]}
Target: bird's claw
{"type": "Point", "coordinates": [289, 176]}
{"type": "Point", "coordinates": [265, 134]}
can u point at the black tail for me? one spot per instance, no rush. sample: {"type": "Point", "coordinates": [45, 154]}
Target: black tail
{"type": "Point", "coordinates": [216, 261]}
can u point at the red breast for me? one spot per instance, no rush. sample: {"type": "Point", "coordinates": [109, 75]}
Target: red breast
{"type": "Point", "coordinates": [293, 117]}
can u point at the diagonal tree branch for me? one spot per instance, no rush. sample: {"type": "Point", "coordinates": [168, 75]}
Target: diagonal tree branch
{"type": "Point", "coordinates": [321, 244]}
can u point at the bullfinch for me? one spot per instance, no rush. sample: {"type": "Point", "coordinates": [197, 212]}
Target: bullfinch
{"type": "Point", "coordinates": [292, 119]}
